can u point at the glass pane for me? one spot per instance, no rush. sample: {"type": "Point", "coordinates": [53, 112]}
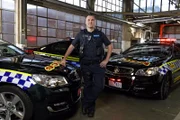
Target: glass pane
{"type": "Point", "coordinates": [31, 30]}
{"type": "Point", "coordinates": [69, 33]}
{"type": "Point", "coordinates": [41, 41]}
{"type": "Point", "coordinates": [52, 13]}
{"type": "Point", "coordinates": [104, 24]}
{"type": "Point", "coordinates": [61, 24]}
{"type": "Point", "coordinates": [31, 20]}
{"type": "Point", "coordinates": [135, 7]}
{"type": "Point", "coordinates": [42, 31]}
{"type": "Point", "coordinates": [31, 9]}
{"type": "Point", "coordinates": [8, 28]}
{"type": "Point", "coordinates": [108, 25]}
{"type": "Point", "coordinates": [157, 5]}
{"type": "Point", "coordinates": [76, 18]}
{"type": "Point", "coordinates": [165, 6]}
{"type": "Point", "coordinates": [173, 6]}
{"type": "Point", "coordinates": [69, 17]}
{"type": "Point", "coordinates": [31, 41]}
{"type": "Point", "coordinates": [8, 4]}
{"type": "Point", "coordinates": [52, 23]}
{"type": "Point", "coordinates": [51, 32]}
{"type": "Point", "coordinates": [107, 31]}
{"type": "Point", "coordinates": [82, 19]}
{"type": "Point", "coordinates": [143, 5]}
{"type": "Point", "coordinates": [61, 33]}
{"type": "Point", "coordinates": [104, 30]}
{"type": "Point", "coordinates": [69, 26]}
{"type": "Point", "coordinates": [112, 26]}
{"type": "Point", "coordinates": [99, 23]}
{"type": "Point", "coordinates": [149, 5]}
{"type": "Point", "coordinates": [116, 27]}
{"type": "Point", "coordinates": [7, 16]}
{"type": "Point", "coordinates": [0, 3]}
{"type": "Point", "coordinates": [9, 38]}
{"type": "Point", "coordinates": [76, 2]}
{"type": "Point", "coordinates": [42, 11]}
{"type": "Point", "coordinates": [76, 27]}
{"type": "Point", "coordinates": [112, 33]}
{"type": "Point", "coordinates": [83, 4]}
{"type": "Point", "coordinates": [61, 15]}
{"type": "Point", "coordinates": [42, 22]}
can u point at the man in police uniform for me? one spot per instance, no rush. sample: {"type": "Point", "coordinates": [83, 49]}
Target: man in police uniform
{"type": "Point", "coordinates": [92, 61]}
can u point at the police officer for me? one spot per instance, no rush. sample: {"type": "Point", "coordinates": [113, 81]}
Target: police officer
{"type": "Point", "coordinates": [92, 61]}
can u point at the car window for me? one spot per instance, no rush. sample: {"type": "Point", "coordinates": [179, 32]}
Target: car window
{"type": "Point", "coordinates": [148, 49]}
{"type": "Point", "coordinates": [177, 51]}
{"type": "Point", "coordinates": [8, 50]}
{"type": "Point", "coordinates": [59, 48]}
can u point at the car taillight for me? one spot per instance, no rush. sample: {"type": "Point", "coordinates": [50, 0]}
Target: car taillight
{"type": "Point", "coordinates": [29, 51]}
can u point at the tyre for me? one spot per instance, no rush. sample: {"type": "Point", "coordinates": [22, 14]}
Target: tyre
{"type": "Point", "coordinates": [14, 104]}
{"type": "Point", "coordinates": [165, 88]}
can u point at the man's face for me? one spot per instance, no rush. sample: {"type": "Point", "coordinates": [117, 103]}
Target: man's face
{"type": "Point", "coordinates": [90, 21]}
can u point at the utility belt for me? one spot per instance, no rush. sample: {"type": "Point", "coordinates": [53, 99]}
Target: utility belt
{"type": "Point", "coordinates": [90, 62]}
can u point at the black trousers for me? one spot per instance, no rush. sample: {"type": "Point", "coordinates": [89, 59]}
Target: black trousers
{"type": "Point", "coordinates": [93, 76]}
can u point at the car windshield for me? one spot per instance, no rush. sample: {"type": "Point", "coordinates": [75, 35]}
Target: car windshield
{"type": "Point", "coordinates": [9, 50]}
{"type": "Point", "coordinates": [149, 49]}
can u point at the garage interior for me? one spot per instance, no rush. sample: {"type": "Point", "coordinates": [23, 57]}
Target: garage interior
{"type": "Point", "coordinates": [30, 23]}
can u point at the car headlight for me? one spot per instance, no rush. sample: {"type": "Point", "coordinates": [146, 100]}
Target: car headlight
{"type": "Point", "coordinates": [49, 81]}
{"type": "Point", "coordinates": [147, 71]}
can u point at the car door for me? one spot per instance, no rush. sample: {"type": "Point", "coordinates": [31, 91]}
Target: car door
{"type": "Point", "coordinates": [176, 56]}
{"type": "Point", "coordinates": [9, 58]}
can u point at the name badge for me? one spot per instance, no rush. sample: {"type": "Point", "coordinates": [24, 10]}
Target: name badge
{"type": "Point", "coordinates": [96, 36]}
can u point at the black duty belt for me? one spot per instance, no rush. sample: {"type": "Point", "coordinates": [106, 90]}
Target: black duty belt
{"type": "Point", "coordinates": [90, 62]}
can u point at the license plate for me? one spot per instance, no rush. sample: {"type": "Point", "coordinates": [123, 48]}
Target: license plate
{"type": "Point", "coordinates": [115, 84]}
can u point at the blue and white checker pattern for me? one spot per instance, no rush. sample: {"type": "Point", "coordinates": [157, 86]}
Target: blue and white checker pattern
{"type": "Point", "coordinates": [77, 64]}
{"type": "Point", "coordinates": [22, 80]}
{"type": "Point", "coordinates": [163, 70]}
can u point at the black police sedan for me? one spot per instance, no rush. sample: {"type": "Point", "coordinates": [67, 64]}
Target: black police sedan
{"type": "Point", "coordinates": [57, 50]}
{"type": "Point", "coordinates": [149, 68]}
{"type": "Point", "coordinates": [33, 85]}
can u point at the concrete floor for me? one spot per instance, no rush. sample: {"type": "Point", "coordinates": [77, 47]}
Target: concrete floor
{"type": "Point", "coordinates": [115, 105]}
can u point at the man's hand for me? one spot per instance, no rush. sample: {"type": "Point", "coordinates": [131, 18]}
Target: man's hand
{"type": "Point", "coordinates": [103, 63]}
{"type": "Point", "coordinates": [63, 62]}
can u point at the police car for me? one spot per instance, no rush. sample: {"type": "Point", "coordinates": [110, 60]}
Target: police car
{"type": "Point", "coordinates": [33, 85]}
{"type": "Point", "coordinates": [57, 50]}
{"type": "Point", "coordinates": [149, 68]}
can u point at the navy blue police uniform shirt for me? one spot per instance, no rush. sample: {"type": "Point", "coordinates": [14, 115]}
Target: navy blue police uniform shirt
{"type": "Point", "coordinates": [90, 41]}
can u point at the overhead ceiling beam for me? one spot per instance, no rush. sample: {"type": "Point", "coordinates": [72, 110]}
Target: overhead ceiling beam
{"type": "Point", "coordinates": [166, 13]}
{"type": "Point", "coordinates": [58, 5]}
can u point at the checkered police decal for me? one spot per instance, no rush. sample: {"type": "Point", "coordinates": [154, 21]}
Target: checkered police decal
{"type": "Point", "coordinates": [22, 80]}
{"type": "Point", "coordinates": [77, 64]}
{"type": "Point", "coordinates": [172, 65]}
{"type": "Point", "coordinates": [163, 70]}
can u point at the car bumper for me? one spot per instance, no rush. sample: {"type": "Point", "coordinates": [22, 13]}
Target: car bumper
{"type": "Point", "coordinates": [146, 86]}
{"type": "Point", "coordinates": [54, 101]}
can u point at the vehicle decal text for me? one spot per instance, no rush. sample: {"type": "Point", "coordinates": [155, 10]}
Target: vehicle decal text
{"type": "Point", "coordinates": [174, 66]}
{"type": "Point", "coordinates": [52, 66]}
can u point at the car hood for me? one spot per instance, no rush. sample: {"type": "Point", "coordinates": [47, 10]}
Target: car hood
{"type": "Point", "coordinates": [35, 64]}
{"type": "Point", "coordinates": [138, 60]}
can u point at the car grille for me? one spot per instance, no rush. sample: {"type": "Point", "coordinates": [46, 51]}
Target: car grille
{"type": "Point", "coordinates": [119, 70]}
